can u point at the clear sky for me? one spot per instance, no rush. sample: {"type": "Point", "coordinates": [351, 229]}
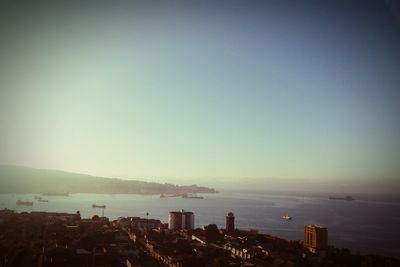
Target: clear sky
{"type": "Point", "coordinates": [198, 89]}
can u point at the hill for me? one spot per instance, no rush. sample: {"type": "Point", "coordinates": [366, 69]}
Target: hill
{"type": "Point", "coordinates": [16, 179]}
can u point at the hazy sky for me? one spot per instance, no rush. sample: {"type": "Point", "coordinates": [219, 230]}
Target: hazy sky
{"type": "Point", "coordinates": [280, 89]}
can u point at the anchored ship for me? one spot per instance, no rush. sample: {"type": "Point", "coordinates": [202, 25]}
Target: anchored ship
{"type": "Point", "coordinates": [98, 206]}
{"type": "Point", "coordinates": [56, 194]}
{"type": "Point", "coordinates": [192, 196]}
{"type": "Point", "coordinates": [349, 198]}
{"type": "Point", "coordinates": [286, 217]}
{"type": "Point", "coordinates": [24, 203]}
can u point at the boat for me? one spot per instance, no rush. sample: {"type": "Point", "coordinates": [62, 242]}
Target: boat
{"type": "Point", "coordinates": [37, 197]}
{"type": "Point", "coordinates": [98, 206]}
{"type": "Point", "coordinates": [55, 194]}
{"type": "Point", "coordinates": [24, 203]}
{"type": "Point", "coordinates": [286, 217]}
{"type": "Point", "coordinates": [348, 198]}
{"type": "Point", "coordinates": [43, 200]}
{"type": "Point", "coordinates": [192, 196]}
{"type": "Point", "coordinates": [174, 195]}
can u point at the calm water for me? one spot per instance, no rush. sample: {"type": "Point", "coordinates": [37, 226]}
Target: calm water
{"type": "Point", "coordinates": [361, 225]}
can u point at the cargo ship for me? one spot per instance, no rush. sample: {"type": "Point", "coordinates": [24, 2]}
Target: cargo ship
{"type": "Point", "coordinates": [55, 194]}
{"type": "Point", "coordinates": [348, 198]}
{"type": "Point", "coordinates": [24, 203]}
{"type": "Point", "coordinates": [98, 206]}
{"type": "Point", "coordinates": [192, 196]}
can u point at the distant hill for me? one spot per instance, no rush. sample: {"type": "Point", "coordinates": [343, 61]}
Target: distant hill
{"type": "Point", "coordinates": [16, 179]}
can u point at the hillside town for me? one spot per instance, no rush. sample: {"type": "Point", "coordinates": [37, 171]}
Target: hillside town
{"type": "Point", "coordinates": [47, 239]}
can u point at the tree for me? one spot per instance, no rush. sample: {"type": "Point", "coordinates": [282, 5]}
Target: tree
{"type": "Point", "coordinates": [212, 233]}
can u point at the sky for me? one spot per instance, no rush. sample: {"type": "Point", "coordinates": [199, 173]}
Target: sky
{"type": "Point", "coordinates": [203, 89]}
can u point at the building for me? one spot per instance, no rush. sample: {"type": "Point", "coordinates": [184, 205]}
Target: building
{"type": "Point", "coordinates": [178, 220]}
{"type": "Point", "coordinates": [315, 237]}
{"type": "Point", "coordinates": [142, 223]}
{"type": "Point", "coordinates": [175, 220]}
{"type": "Point", "coordinates": [230, 222]}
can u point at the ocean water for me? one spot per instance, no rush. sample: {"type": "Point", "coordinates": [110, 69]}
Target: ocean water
{"type": "Point", "coordinates": [367, 226]}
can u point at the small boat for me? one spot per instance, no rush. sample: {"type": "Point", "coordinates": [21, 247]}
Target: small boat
{"type": "Point", "coordinates": [162, 196]}
{"type": "Point", "coordinates": [24, 203]}
{"type": "Point", "coordinates": [98, 206]}
{"type": "Point", "coordinates": [286, 217]}
{"type": "Point", "coordinates": [43, 200]}
{"type": "Point", "coordinates": [37, 197]}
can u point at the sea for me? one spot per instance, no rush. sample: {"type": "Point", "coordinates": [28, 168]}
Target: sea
{"type": "Point", "coordinates": [367, 225]}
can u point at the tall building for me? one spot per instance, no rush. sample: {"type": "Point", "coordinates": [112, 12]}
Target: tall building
{"type": "Point", "coordinates": [230, 222]}
{"type": "Point", "coordinates": [315, 237]}
{"type": "Point", "coordinates": [180, 220]}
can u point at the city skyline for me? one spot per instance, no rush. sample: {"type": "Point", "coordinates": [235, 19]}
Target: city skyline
{"type": "Point", "coordinates": [203, 90]}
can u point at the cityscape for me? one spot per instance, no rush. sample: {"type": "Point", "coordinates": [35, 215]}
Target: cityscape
{"type": "Point", "coordinates": [48, 239]}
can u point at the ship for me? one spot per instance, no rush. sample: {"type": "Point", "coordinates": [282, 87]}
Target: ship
{"type": "Point", "coordinates": [348, 198]}
{"type": "Point", "coordinates": [185, 195]}
{"type": "Point", "coordinates": [24, 203]}
{"type": "Point", "coordinates": [98, 206]}
{"type": "Point", "coordinates": [56, 194]}
{"type": "Point", "coordinates": [286, 217]}
{"type": "Point", "coordinates": [192, 196]}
